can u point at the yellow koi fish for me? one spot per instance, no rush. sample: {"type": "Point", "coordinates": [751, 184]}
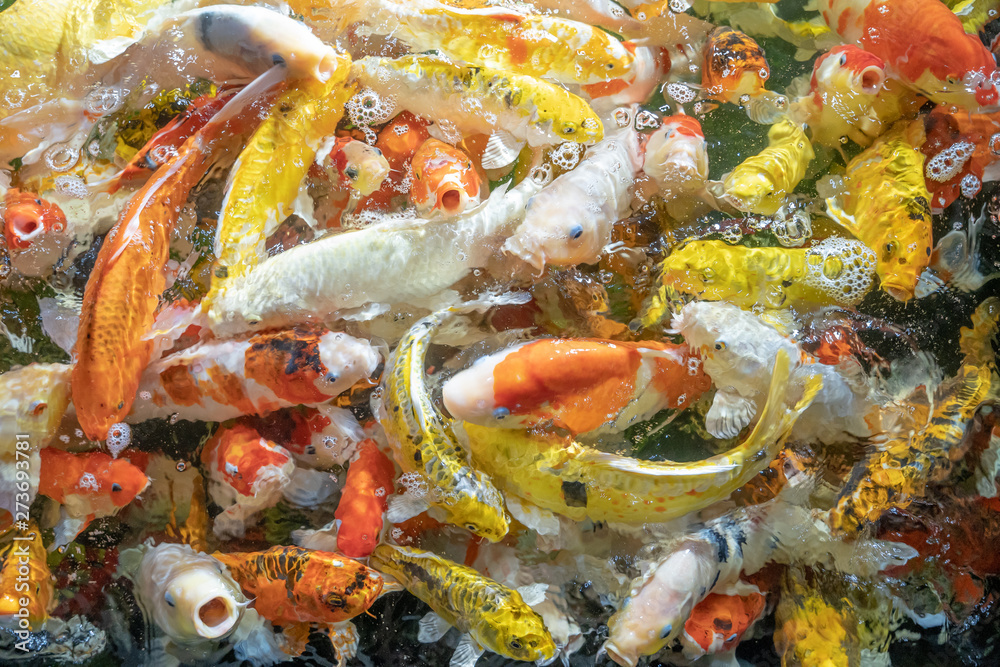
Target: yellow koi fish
{"type": "Point", "coordinates": [495, 617]}
{"type": "Point", "coordinates": [423, 441]}
{"type": "Point", "coordinates": [810, 631]}
{"type": "Point", "coordinates": [760, 183]}
{"type": "Point", "coordinates": [25, 575]}
{"type": "Point", "coordinates": [834, 271]}
{"type": "Point", "coordinates": [887, 207]}
{"type": "Point", "coordinates": [579, 482]}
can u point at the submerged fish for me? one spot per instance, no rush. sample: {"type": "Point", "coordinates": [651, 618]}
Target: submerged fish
{"type": "Point", "coordinates": [363, 501]}
{"type": "Point", "coordinates": [356, 165]}
{"type": "Point", "coordinates": [734, 70]}
{"type": "Point", "coordinates": [577, 384]}
{"type": "Point", "coordinates": [27, 218]}
{"type": "Point", "coordinates": [445, 183]}
{"type": "Point", "coordinates": [761, 183]}
{"type": "Point", "coordinates": [27, 588]}
{"type": "Point", "coordinates": [492, 616]}
{"type": "Point", "coordinates": [676, 156]}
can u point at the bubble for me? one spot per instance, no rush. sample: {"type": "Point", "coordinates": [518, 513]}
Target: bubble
{"type": "Point", "coordinates": [173, 418]}
{"type": "Point", "coordinates": [380, 492]}
{"type": "Point", "coordinates": [995, 144]}
{"type": "Point", "coordinates": [369, 108]}
{"type": "Point", "coordinates": [678, 91]}
{"type": "Point", "coordinates": [970, 185]}
{"type": "Point", "coordinates": [396, 533]}
{"type": "Point", "coordinates": [14, 98]}
{"type": "Point", "coordinates": [88, 482]}
{"type": "Point", "coordinates": [119, 437]}
{"type": "Point", "coordinates": [400, 130]}
{"type": "Point", "coordinates": [842, 268]}
{"type": "Point", "coordinates": [145, 395]}
{"type": "Point", "coordinates": [566, 155]}
{"type": "Point", "coordinates": [947, 164]}
{"type": "Point", "coordinates": [645, 120]}
{"type": "Point", "coordinates": [61, 157]}
{"type": "Point", "coordinates": [679, 6]}
{"type": "Point", "coordinates": [162, 153]}
{"type": "Point", "coordinates": [71, 186]}
{"type": "Point", "coordinates": [181, 466]}
{"type": "Point", "coordinates": [413, 484]}
{"type": "Point", "coordinates": [104, 100]}
{"type": "Point", "coordinates": [621, 117]}
{"type": "Point", "coordinates": [94, 148]}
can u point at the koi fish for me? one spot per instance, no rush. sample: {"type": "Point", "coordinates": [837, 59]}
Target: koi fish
{"type": "Point", "coordinates": [34, 401]}
{"type": "Point", "coordinates": [423, 440]}
{"type": "Point", "coordinates": [569, 222]}
{"type": "Point", "coordinates": [845, 84]}
{"type": "Point", "coordinates": [505, 40]}
{"type": "Point", "coordinates": [810, 630]}
{"type": "Point", "coordinates": [887, 207]}
{"type": "Point", "coordinates": [717, 623]}
{"type": "Point", "coordinates": [444, 180]}
{"type": "Point", "coordinates": [579, 385]}
{"type": "Point", "coordinates": [363, 501]}
{"type": "Point", "coordinates": [959, 151]}
{"type": "Point", "coordinates": [976, 342]}
{"type": "Point", "coordinates": [898, 471]}
{"type": "Point", "coordinates": [246, 474]}
{"type": "Point", "coordinates": [676, 156]}
{"type": "Point", "coordinates": [953, 67]}
{"type": "Point", "coordinates": [490, 615]}
{"type": "Point", "coordinates": [955, 259]}
{"type": "Point", "coordinates": [736, 348]}
{"type": "Point", "coordinates": [293, 587]}
{"type": "Point", "coordinates": [165, 142]}
{"type": "Point", "coordinates": [356, 165]}
{"type": "Point", "coordinates": [761, 183]}
{"type": "Point", "coordinates": [579, 482]}
{"type": "Point", "coordinates": [398, 141]}
{"type": "Point", "coordinates": [323, 437]}
{"type": "Point", "coordinates": [123, 289]}
{"type": "Point", "coordinates": [26, 583]}
{"type": "Point", "coordinates": [27, 218]}
{"type": "Point", "coordinates": [734, 70]}
{"type": "Point", "coordinates": [974, 14]}
{"type": "Point", "coordinates": [190, 596]}
{"type": "Point", "coordinates": [834, 271]}
{"type": "Point", "coordinates": [513, 109]}
{"type": "Point", "coordinates": [217, 380]}
{"type": "Point", "coordinates": [405, 262]}
{"type": "Point", "coordinates": [88, 486]}
{"type": "Point", "coordinates": [265, 180]}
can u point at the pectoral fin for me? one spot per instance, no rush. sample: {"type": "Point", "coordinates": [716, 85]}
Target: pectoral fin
{"type": "Point", "coordinates": [466, 653]}
{"type": "Point", "coordinates": [432, 628]}
{"type": "Point", "coordinates": [730, 413]}
{"type": "Point", "coordinates": [501, 149]}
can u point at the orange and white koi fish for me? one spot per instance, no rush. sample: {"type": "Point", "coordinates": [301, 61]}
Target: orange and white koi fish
{"type": "Point", "coordinates": [676, 156]}
{"type": "Point", "coordinates": [960, 151]}
{"type": "Point", "coordinates": [220, 379]}
{"type": "Point", "coordinates": [579, 385]}
{"type": "Point", "coordinates": [27, 218]}
{"type": "Point", "coordinates": [397, 141]}
{"type": "Point", "coordinates": [845, 84]}
{"type": "Point", "coordinates": [246, 474]}
{"type": "Point", "coordinates": [324, 437]}
{"type": "Point", "coordinates": [950, 66]}
{"type": "Point", "coordinates": [293, 587]}
{"type": "Point", "coordinates": [887, 207]}
{"type": "Point", "coordinates": [569, 221]}
{"type": "Point", "coordinates": [123, 289]}
{"type": "Point", "coordinates": [955, 260]}
{"type": "Point", "coordinates": [356, 165]}
{"type": "Point", "coordinates": [88, 486]}
{"type": "Point", "coordinates": [499, 38]}
{"type": "Point", "coordinates": [734, 70]}
{"type": "Point", "coordinates": [737, 347]}
{"type": "Point", "coordinates": [33, 400]}
{"type": "Point", "coordinates": [651, 66]}
{"type": "Point", "coordinates": [445, 182]}
{"type": "Point", "coordinates": [364, 500]}
{"type": "Point", "coordinates": [27, 590]}
{"type": "Point", "coordinates": [717, 623]}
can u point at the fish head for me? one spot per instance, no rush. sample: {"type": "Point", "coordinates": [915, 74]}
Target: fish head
{"type": "Point", "coordinates": [848, 70]}
{"type": "Point", "coordinates": [589, 130]}
{"type": "Point", "coordinates": [974, 90]}
{"type": "Point", "coordinates": [203, 604]}
{"type": "Point", "coordinates": [518, 632]}
{"type": "Point", "coordinates": [734, 65]}
{"type": "Point", "coordinates": [401, 138]}
{"type": "Point", "coordinates": [444, 180]}
{"type": "Point", "coordinates": [27, 217]}
{"type": "Point", "coordinates": [676, 155]}
{"type": "Point", "coordinates": [125, 482]}
{"type": "Point", "coordinates": [239, 457]}
{"type": "Point", "coordinates": [362, 166]}
{"type": "Point", "coordinates": [700, 269]}
{"type": "Point", "coordinates": [902, 257]}
{"type": "Point", "coordinates": [484, 517]}
{"type": "Point", "coordinates": [349, 587]}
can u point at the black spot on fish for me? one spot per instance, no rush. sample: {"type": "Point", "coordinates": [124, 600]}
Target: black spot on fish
{"type": "Point", "coordinates": [721, 545]}
{"type": "Point", "coordinates": [575, 494]}
{"type": "Point", "coordinates": [203, 27]}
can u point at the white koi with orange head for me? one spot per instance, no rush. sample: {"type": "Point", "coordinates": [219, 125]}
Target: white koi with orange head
{"type": "Point", "coordinates": [923, 44]}
{"type": "Point", "coordinates": [445, 182]}
{"type": "Point", "coordinates": [676, 156]}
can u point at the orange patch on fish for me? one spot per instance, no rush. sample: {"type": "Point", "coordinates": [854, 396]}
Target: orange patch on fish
{"type": "Point", "coordinates": [724, 617]}
{"type": "Point", "coordinates": [288, 363]}
{"type": "Point", "coordinates": [239, 453]}
{"type": "Point", "coordinates": [733, 65]}
{"type": "Point", "coordinates": [364, 500]}
{"type": "Point", "coordinates": [92, 484]}
{"type": "Point", "coordinates": [444, 179]}
{"type": "Point", "coordinates": [398, 141]}
{"type": "Point", "coordinates": [27, 217]}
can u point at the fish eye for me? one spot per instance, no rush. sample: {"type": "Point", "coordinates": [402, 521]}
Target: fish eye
{"type": "Point", "coordinates": [352, 173]}
{"type": "Point", "coordinates": [569, 128]}
{"type": "Point", "coordinates": [471, 527]}
{"type": "Point", "coordinates": [610, 65]}
{"type": "Point", "coordinates": [514, 644]}
{"type": "Point", "coordinates": [843, 59]}
{"type": "Point", "coordinates": [169, 599]}
{"type": "Point", "coordinates": [576, 231]}
{"type": "Point", "coordinates": [116, 487]}
{"type": "Point", "coordinates": [952, 79]}
{"type": "Point", "coordinates": [720, 346]}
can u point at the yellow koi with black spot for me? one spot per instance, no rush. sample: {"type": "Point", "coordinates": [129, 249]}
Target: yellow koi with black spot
{"type": "Point", "coordinates": [495, 616]}
{"type": "Point", "coordinates": [761, 183]}
{"type": "Point", "coordinates": [834, 271]}
{"type": "Point", "coordinates": [887, 207]}
{"type": "Point", "coordinates": [423, 440]}
{"type": "Point", "coordinates": [580, 482]}
{"type": "Point", "coordinates": [266, 177]}
{"type": "Point", "coordinates": [899, 471]}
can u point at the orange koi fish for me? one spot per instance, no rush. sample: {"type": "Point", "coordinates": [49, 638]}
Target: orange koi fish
{"type": "Point", "coordinates": [398, 142]}
{"type": "Point", "coordinates": [444, 180]}
{"type": "Point", "coordinates": [123, 289]}
{"type": "Point", "coordinates": [166, 141]}
{"type": "Point", "coordinates": [364, 500]}
{"type": "Point", "coordinates": [323, 437]}
{"type": "Point", "coordinates": [356, 165]}
{"type": "Point", "coordinates": [717, 623]}
{"type": "Point", "coordinates": [734, 70]}
{"type": "Point", "coordinates": [27, 217]}
{"type": "Point", "coordinates": [246, 474]}
{"type": "Point", "coordinates": [293, 587]}
{"type": "Point", "coordinates": [960, 152]}
{"type": "Point", "coordinates": [222, 379]}
{"type": "Point", "coordinates": [89, 486]}
{"type": "Point", "coordinates": [579, 385]}
{"type": "Point", "coordinates": [923, 44]}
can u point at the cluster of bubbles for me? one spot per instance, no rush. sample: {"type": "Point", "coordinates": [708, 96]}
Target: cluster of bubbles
{"type": "Point", "coordinates": [71, 186]}
{"type": "Point", "coordinates": [947, 164]}
{"type": "Point", "coordinates": [679, 92]}
{"type": "Point", "coordinates": [104, 100]}
{"type": "Point", "coordinates": [119, 437]}
{"type": "Point", "coordinates": [842, 268]}
{"type": "Point", "coordinates": [566, 155]}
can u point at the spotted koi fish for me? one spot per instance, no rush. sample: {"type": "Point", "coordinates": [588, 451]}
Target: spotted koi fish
{"type": "Point", "coordinates": [494, 616]}
{"type": "Point", "coordinates": [293, 587]}
{"type": "Point", "coordinates": [580, 482]}
{"type": "Point", "coordinates": [887, 207]}
{"type": "Point", "coordinates": [898, 471]}
{"type": "Point", "coordinates": [363, 501]}
{"type": "Point", "coordinates": [220, 379]}
{"type": "Point", "coordinates": [27, 218]}
{"type": "Point", "coordinates": [25, 575]}
{"type": "Point", "coordinates": [717, 624]}
{"type": "Point", "coordinates": [734, 70]}
{"type": "Point", "coordinates": [761, 183]}
{"type": "Point", "coordinates": [424, 442]}
{"type": "Point", "coordinates": [123, 290]}
{"type": "Point", "coordinates": [952, 67]}
{"type": "Point", "coordinates": [579, 384]}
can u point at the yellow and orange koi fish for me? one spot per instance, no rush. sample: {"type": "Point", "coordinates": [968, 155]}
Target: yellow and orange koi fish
{"type": "Point", "coordinates": [445, 182]}
{"type": "Point", "coordinates": [27, 217]}
{"type": "Point", "coordinates": [734, 70]}
{"type": "Point", "coordinates": [579, 384]}
{"type": "Point", "coordinates": [26, 583]}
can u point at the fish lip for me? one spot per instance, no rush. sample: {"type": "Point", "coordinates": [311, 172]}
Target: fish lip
{"type": "Point", "coordinates": [898, 291]}
{"type": "Point", "coordinates": [233, 614]}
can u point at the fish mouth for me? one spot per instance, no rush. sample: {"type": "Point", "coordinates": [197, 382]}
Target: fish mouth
{"type": "Point", "coordinates": [898, 291]}
{"type": "Point", "coordinates": [216, 616]}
